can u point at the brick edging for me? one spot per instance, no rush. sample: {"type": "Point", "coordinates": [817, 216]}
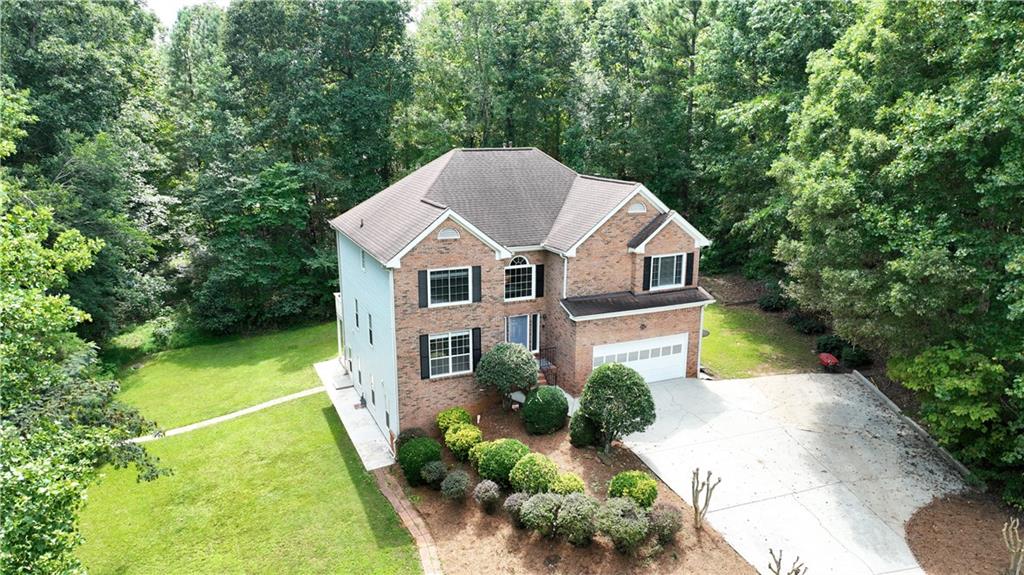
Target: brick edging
{"type": "Point", "coordinates": [412, 520]}
{"type": "Point", "coordinates": [960, 467]}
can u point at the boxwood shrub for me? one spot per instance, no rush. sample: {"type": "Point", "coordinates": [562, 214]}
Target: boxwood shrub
{"type": "Point", "coordinates": [624, 522]}
{"type": "Point", "coordinates": [497, 461]}
{"type": "Point", "coordinates": [666, 521]}
{"type": "Point", "coordinates": [433, 473]}
{"type": "Point", "coordinates": [461, 437]}
{"type": "Point", "coordinates": [456, 485]}
{"type": "Point", "coordinates": [567, 483]}
{"type": "Point", "coordinates": [407, 435]}
{"type": "Point", "coordinates": [452, 416]}
{"type": "Point", "coordinates": [533, 473]}
{"type": "Point", "coordinates": [545, 410]}
{"type": "Point", "coordinates": [636, 485]}
{"type": "Point", "coordinates": [415, 454]}
{"type": "Point", "coordinates": [583, 431]}
{"type": "Point", "coordinates": [488, 494]}
{"type": "Point", "coordinates": [854, 357]}
{"type": "Point", "coordinates": [540, 512]}
{"type": "Point", "coordinates": [577, 519]}
{"type": "Point", "coordinates": [514, 507]}
{"type": "Point", "coordinates": [477, 451]}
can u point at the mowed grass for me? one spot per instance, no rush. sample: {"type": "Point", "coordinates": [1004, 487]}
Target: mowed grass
{"type": "Point", "coordinates": [183, 386]}
{"type": "Point", "coordinates": [277, 491]}
{"type": "Point", "coordinates": [747, 342]}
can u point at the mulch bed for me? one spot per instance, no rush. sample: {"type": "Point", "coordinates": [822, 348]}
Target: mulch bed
{"type": "Point", "coordinates": [960, 535]}
{"type": "Point", "coordinates": [471, 542]}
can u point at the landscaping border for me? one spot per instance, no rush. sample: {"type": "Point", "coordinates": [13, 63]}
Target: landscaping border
{"type": "Point", "coordinates": [960, 467]}
{"type": "Point", "coordinates": [429, 557]}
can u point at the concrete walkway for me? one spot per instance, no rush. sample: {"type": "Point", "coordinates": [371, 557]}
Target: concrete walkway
{"type": "Point", "coordinates": [814, 464]}
{"type": "Point", "coordinates": [228, 416]}
{"type": "Point", "coordinates": [369, 440]}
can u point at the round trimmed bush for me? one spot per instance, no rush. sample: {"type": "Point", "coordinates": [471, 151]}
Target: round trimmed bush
{"type": "Point", "coordinates": [583, 431]}
{"type": "Point", "coordinates": [540, 512]}
{"type": "Point", "coordinates": [854, 357]}
{"type": "Point", "coordinates": [497, 461]}
{"type": "Point", "coordinates": [477, 451]}
{"type": "Point", "coordinates": [567, 483]}
{"type": "Point", "coordinates": [624, 522]}
{"type": "Point", "coordinates": [408, 435]}
{"type": "Point", "coordinates": [514, 507]}
{"type": "Point", "coordinates": [507, 367]}
{"type": "Point", "coordinates": [461, 437]}
{"type": "Point", "coordinates": [433, 473]}
{"type": "Point", "coordinates": [545, 410]}
{"type": "Point", "coordinates": [451, 416]}
{"type": "Point", "coordinates": [487, 493]}
{"type": "Point", "coordinates": [415, 454]}
{"type": "Point", "coordinates": [456, 485]}
{"type": "Point", "coordinates": [617, 398]}
{"type": "Point", "coordinates": [636, 485]}
{"type": "Point", "coordinates": [533, 473]}
{"type": "Point", "coordinates": [666, 521]}
{"type": "Point", "coordinates": [830, 344]}
{"type": "Point", "coordinates": [577, 519]}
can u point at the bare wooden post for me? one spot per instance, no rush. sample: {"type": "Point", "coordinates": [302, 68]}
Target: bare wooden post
{"type": "Point", "coordinates": [705, 488]}
{"type": "Point", "coordinates": [775, 566]}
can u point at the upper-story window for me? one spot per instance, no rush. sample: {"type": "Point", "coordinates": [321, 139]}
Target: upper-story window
{"type": "Point", "coordinates": [667, 271]}
{"type": "Point", "coordinates": [357, 313]}
{"type": "Point", "coordinates": [362, 259]}
{"type": "Point", "coordinates": [369, 326]}
{"type": "Point", "coordinates": [448, 234]}
{"type": "Point", "coordinates": [519, 279]}
{"type": "Point", "coordinates": [637, 208]}
{"type": "Point", "coordinates": [448, 287]}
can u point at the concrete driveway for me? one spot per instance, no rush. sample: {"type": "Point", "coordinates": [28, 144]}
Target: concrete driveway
{"type": "Point", "coordinates": [813, 464]}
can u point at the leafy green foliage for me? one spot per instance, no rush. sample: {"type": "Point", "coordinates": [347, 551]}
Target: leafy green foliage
{"type": "Point", "coordinates": [567, 483]}
{"type": "Point", "coordinates": [972, 407]}
{"type": "Point", "coordinates": [462, 437]}
{"type": "Point", "coordinates": [774, 300]}
{"type": "Point", "coordinates": [854, 357]}
{"type": "Point", "coordinates": [433, 473]}
{"type": "Point", "coordinates": [452, 416]}
{"type": "Point", "coordinates": [507, 367]}
{"type": "Point", "coordinates": [617, 398]}
{"type": "Point", "coordinates": [584, 431]}
{"type": "Point", "coordinates": [577, 519]}
{"type": "Point", "coordinates": [477, 451]}
{"type": "Point", "coordinates": [830, 344]}
{"type": "Point", "coordinates": [533, 473]}
{"type": "Point", "coordinates": [545, 410]}
{"type": "Point", "coordinates": [806, 323]}
{"type": "Point", "coordinates": [456, 485]}
{"type": "Point", "coordinates": [487, 494]}
{"type": "Point", "coordinates": [415, 454]}
{"type": "Point", "coordinates": [624, 522]}
{"type": "Point", "coordinates": [513, 505]}
{"type": "Point", "coordinates": [636, 485]}
{"type": "Point", "coordinates": [498, 459]}
{"type": "Point", "coordinates": [666, 521]}
{"type": "Point", "coordinates": [540, 512]}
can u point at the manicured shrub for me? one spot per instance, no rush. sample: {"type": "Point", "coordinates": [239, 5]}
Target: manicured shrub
{"type": "Point", "coordinates": [477, 451]}
{"type": "Point", "coordinates": [452, 416]}
{"type": "Point", "coordinates": [461, 437]}
{"type": "Point", "coordinates": [533, 473]}
{"type": "Point", "coordinates": [540, 512]}
{"type": "Point", "coordinates": [636, 485]}
{"type": "Point", "coordinates": [407, 435]}
{"type": "Point", "coordinates": [583, 431]}
{"type": "Point", "coordinates": [666, 521]}
{"type": "Point", "coordinates": [456, 485]}
{"type": "Point", "coordinates": [514, 507]}
{"type": "Point", "coordinates": [830, 343]}
{"type": "Point", "coordinates": [577, 519]}
{"type": "Point", "coordinates": [854, 357]}
{"type": "Point", "coordinates": [567, 483]}
{"type": "Point", "coordinates": [415, 454]}
{"type": "Point", "coordinates": [433, 473]}
{"type": "Point", "coordinates": [618, 399]}
{"type": "Point", "coordinates": [487, 494]}
{"type": "Point", "coordinates": [806, 324]}
{"type": "Point", "coordinates": [497, 461]}
{"type": "Point", "coordinates": [774, 300]}
{"type": "Point", "coordinates": [507, 367]}
{"type": "Point", "coordinates": [545, 410]}
{"type": "Point", "coordinates": [624, 522]}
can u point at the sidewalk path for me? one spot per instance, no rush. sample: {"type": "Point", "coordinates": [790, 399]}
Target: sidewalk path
{"type": "Point", "coordinates": [229, 416]}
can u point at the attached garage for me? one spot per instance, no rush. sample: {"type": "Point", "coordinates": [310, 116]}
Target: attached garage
{"type": "Point", "coordinates": [655, 359]}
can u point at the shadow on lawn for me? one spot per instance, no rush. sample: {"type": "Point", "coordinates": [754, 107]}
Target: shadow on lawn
{"type": "Point", "coordinates": [387, 528]}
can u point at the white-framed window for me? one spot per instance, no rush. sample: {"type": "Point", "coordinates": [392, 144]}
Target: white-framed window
{"type": "Point", "coordinates": [449, 286]}
{"type": "Point", "coordinates": [369, 326]}
{"type": "Point", "coordinates": [667, 271]}
{"type": "Point", "coordinates": [637, 208]}
{"type": "Point", "coordinates": [520, 277]}
{"type": "Point", "coordinates": [362, 259]}
{"type": "Point", "coordinates": [448, 234]}
{"type": "Point", "coordinates": [451, 353]}
{"type": "Point", "coordinates": [357, 313]}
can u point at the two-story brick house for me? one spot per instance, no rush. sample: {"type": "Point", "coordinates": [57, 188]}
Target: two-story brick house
{"type": "Point", "coordinates": [482, 246]}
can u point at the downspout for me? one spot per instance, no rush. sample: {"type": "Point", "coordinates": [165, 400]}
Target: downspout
{"type": "Point", "coordinates": [565, 275]}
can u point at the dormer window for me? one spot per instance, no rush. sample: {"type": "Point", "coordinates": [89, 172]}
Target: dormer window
{"type": "Point", "coordinates": [520, 279]}
{"type": "Point", "coordinates": [638, 208]}
{"type": "Point", "coordinates": [448, 234]}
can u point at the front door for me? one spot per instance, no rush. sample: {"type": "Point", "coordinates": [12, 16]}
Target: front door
{"type": "Point", "coordinates": [519, 330]}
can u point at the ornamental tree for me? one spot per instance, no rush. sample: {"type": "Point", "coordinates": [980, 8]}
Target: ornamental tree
{"type": "Point", "coordinates": [617, 398]}
{"type": "Point", "coordinates": [507, 367]}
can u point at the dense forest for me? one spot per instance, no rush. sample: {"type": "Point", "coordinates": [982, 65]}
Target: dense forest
{"type": "Point", "coordinates": [865, 159]}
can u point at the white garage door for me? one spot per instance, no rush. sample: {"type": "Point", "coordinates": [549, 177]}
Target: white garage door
{"type": "Point", "coordinates": [656, 359]}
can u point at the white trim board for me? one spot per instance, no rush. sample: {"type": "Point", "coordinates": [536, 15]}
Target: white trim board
{"type": "Point", "coordinates": [634, 311]}
{"type": "Point", "coordinates": [500, 252]}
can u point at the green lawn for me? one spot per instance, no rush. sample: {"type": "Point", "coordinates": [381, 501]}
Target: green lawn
{"type": "Point", "coordinates": [277, 491]}
{"type": "Point", "coordinates": [183, 386]}
{"type": "Point", "coordinates": [747, 342]}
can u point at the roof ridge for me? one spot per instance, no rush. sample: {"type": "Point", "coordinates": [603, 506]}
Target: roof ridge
{"type": "Point", "coordinates": [603, 179]}
{"type": "Point", "coordinates": [521, 149]}
{"type": "Point", "coordinates": [440, 170]}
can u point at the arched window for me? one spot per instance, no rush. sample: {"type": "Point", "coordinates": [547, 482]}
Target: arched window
{"type": "Point", "coordinates": [519, 279]}
{"type": "Point", "coordinates": [448, 234]}
{"type": "Point", "coordinates": [519, 261]}
{"type": "Point", "coordinates": [638, 208]}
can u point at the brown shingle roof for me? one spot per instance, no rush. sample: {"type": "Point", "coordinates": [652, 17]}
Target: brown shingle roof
{"type": "Point", "coordinates": [583, 306]}
{"type": "Point", "coordinates": [646, 231]}
{"type": "Point", "coordinates": [517, 196]}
